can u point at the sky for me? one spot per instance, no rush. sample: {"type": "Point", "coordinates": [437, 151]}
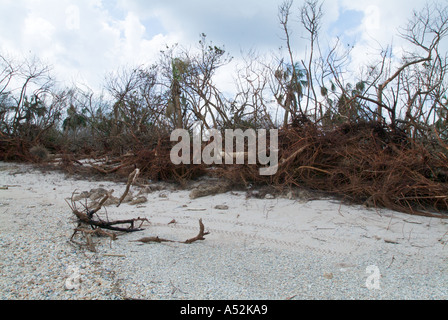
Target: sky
{"type": "Point", "coordinates": [84, 40]}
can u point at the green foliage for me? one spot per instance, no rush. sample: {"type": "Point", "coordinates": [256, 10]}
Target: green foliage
{"type": "Point", "coordinates": [181, 67]}
{"type": "Point", "coordinates": [441, 124]}
{"type": "Point", "coordinates": [74, 120]}
{"type": "Point", "coordinates": [33, 109]}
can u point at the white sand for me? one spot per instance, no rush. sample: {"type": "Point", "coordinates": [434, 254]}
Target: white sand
{"type": "Point", "coordinates": [256, 249]}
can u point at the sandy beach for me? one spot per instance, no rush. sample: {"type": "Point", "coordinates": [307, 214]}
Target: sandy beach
{"type": "Point", "coordinates": [297, 246]}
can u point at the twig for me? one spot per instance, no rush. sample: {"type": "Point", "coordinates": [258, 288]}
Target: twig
{"type": "Point", "coordinates": [88, 235]}
{"type": "Point", "coordinates": [97, 232]}
{"type": "Point", "coordinates": [313, 168]}
{"type": "Point", "coordinates": [391, 241]}
{"type": "Point", "coordinates": [393, 258]}
{"type": "Point", "coordinates": [339, 210]}
{"type": "Point", "coordinates": [173, 291]}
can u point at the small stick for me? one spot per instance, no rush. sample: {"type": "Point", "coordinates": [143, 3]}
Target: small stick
{"type": "Point", "coordinates": [114, 255]}
{"type": "Point", "coordinates": [313, 168]}
{"type": "Point", "coordinates": [152, 239]}
{"type": "Point", "coordinates": [393, 258]}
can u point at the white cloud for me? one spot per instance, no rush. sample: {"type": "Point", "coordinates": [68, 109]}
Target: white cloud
{"type": "Point", "coordinates": [85, 39]}
{"type": "Point", "coordinates": [379, 28]}
{"type": "Point", "coordinates": [233, 23]}
{"type": "Point", "coordinates": [72, 20]}
{"type": "Point", "coordinates": [80, 39]}
{"type": "Point", "coordinates": [38, 27]}
{"type": "Point", "coordinates": [135, 47]}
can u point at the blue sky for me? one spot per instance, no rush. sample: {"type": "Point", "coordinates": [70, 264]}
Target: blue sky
{"type": "Point", "coordinates": [345, 26]}
{"type": "Point", "coordinates": [85, 39]}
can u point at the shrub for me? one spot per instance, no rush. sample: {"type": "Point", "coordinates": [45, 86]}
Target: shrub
{"type": "Point", "coordinates": [40, 153]}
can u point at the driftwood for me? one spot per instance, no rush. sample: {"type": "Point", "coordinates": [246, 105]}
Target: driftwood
{"type": "Point", "coordinates": [152, 239]}
{"type": "Point", "coordinates": [199, 237]}
{"type": "Point", "coordinates": [86, 217]}
{"type": "Point", "coordinates": [201, 234]}
{"type": "Point", "coordinates": [89, 223]}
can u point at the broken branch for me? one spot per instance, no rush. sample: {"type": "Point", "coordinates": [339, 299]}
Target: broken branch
{"type": "Point", "coordinates": [131, 179]}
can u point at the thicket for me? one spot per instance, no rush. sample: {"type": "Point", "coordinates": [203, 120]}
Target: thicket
{"type": "Point", "coordinates": [378, 135]}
